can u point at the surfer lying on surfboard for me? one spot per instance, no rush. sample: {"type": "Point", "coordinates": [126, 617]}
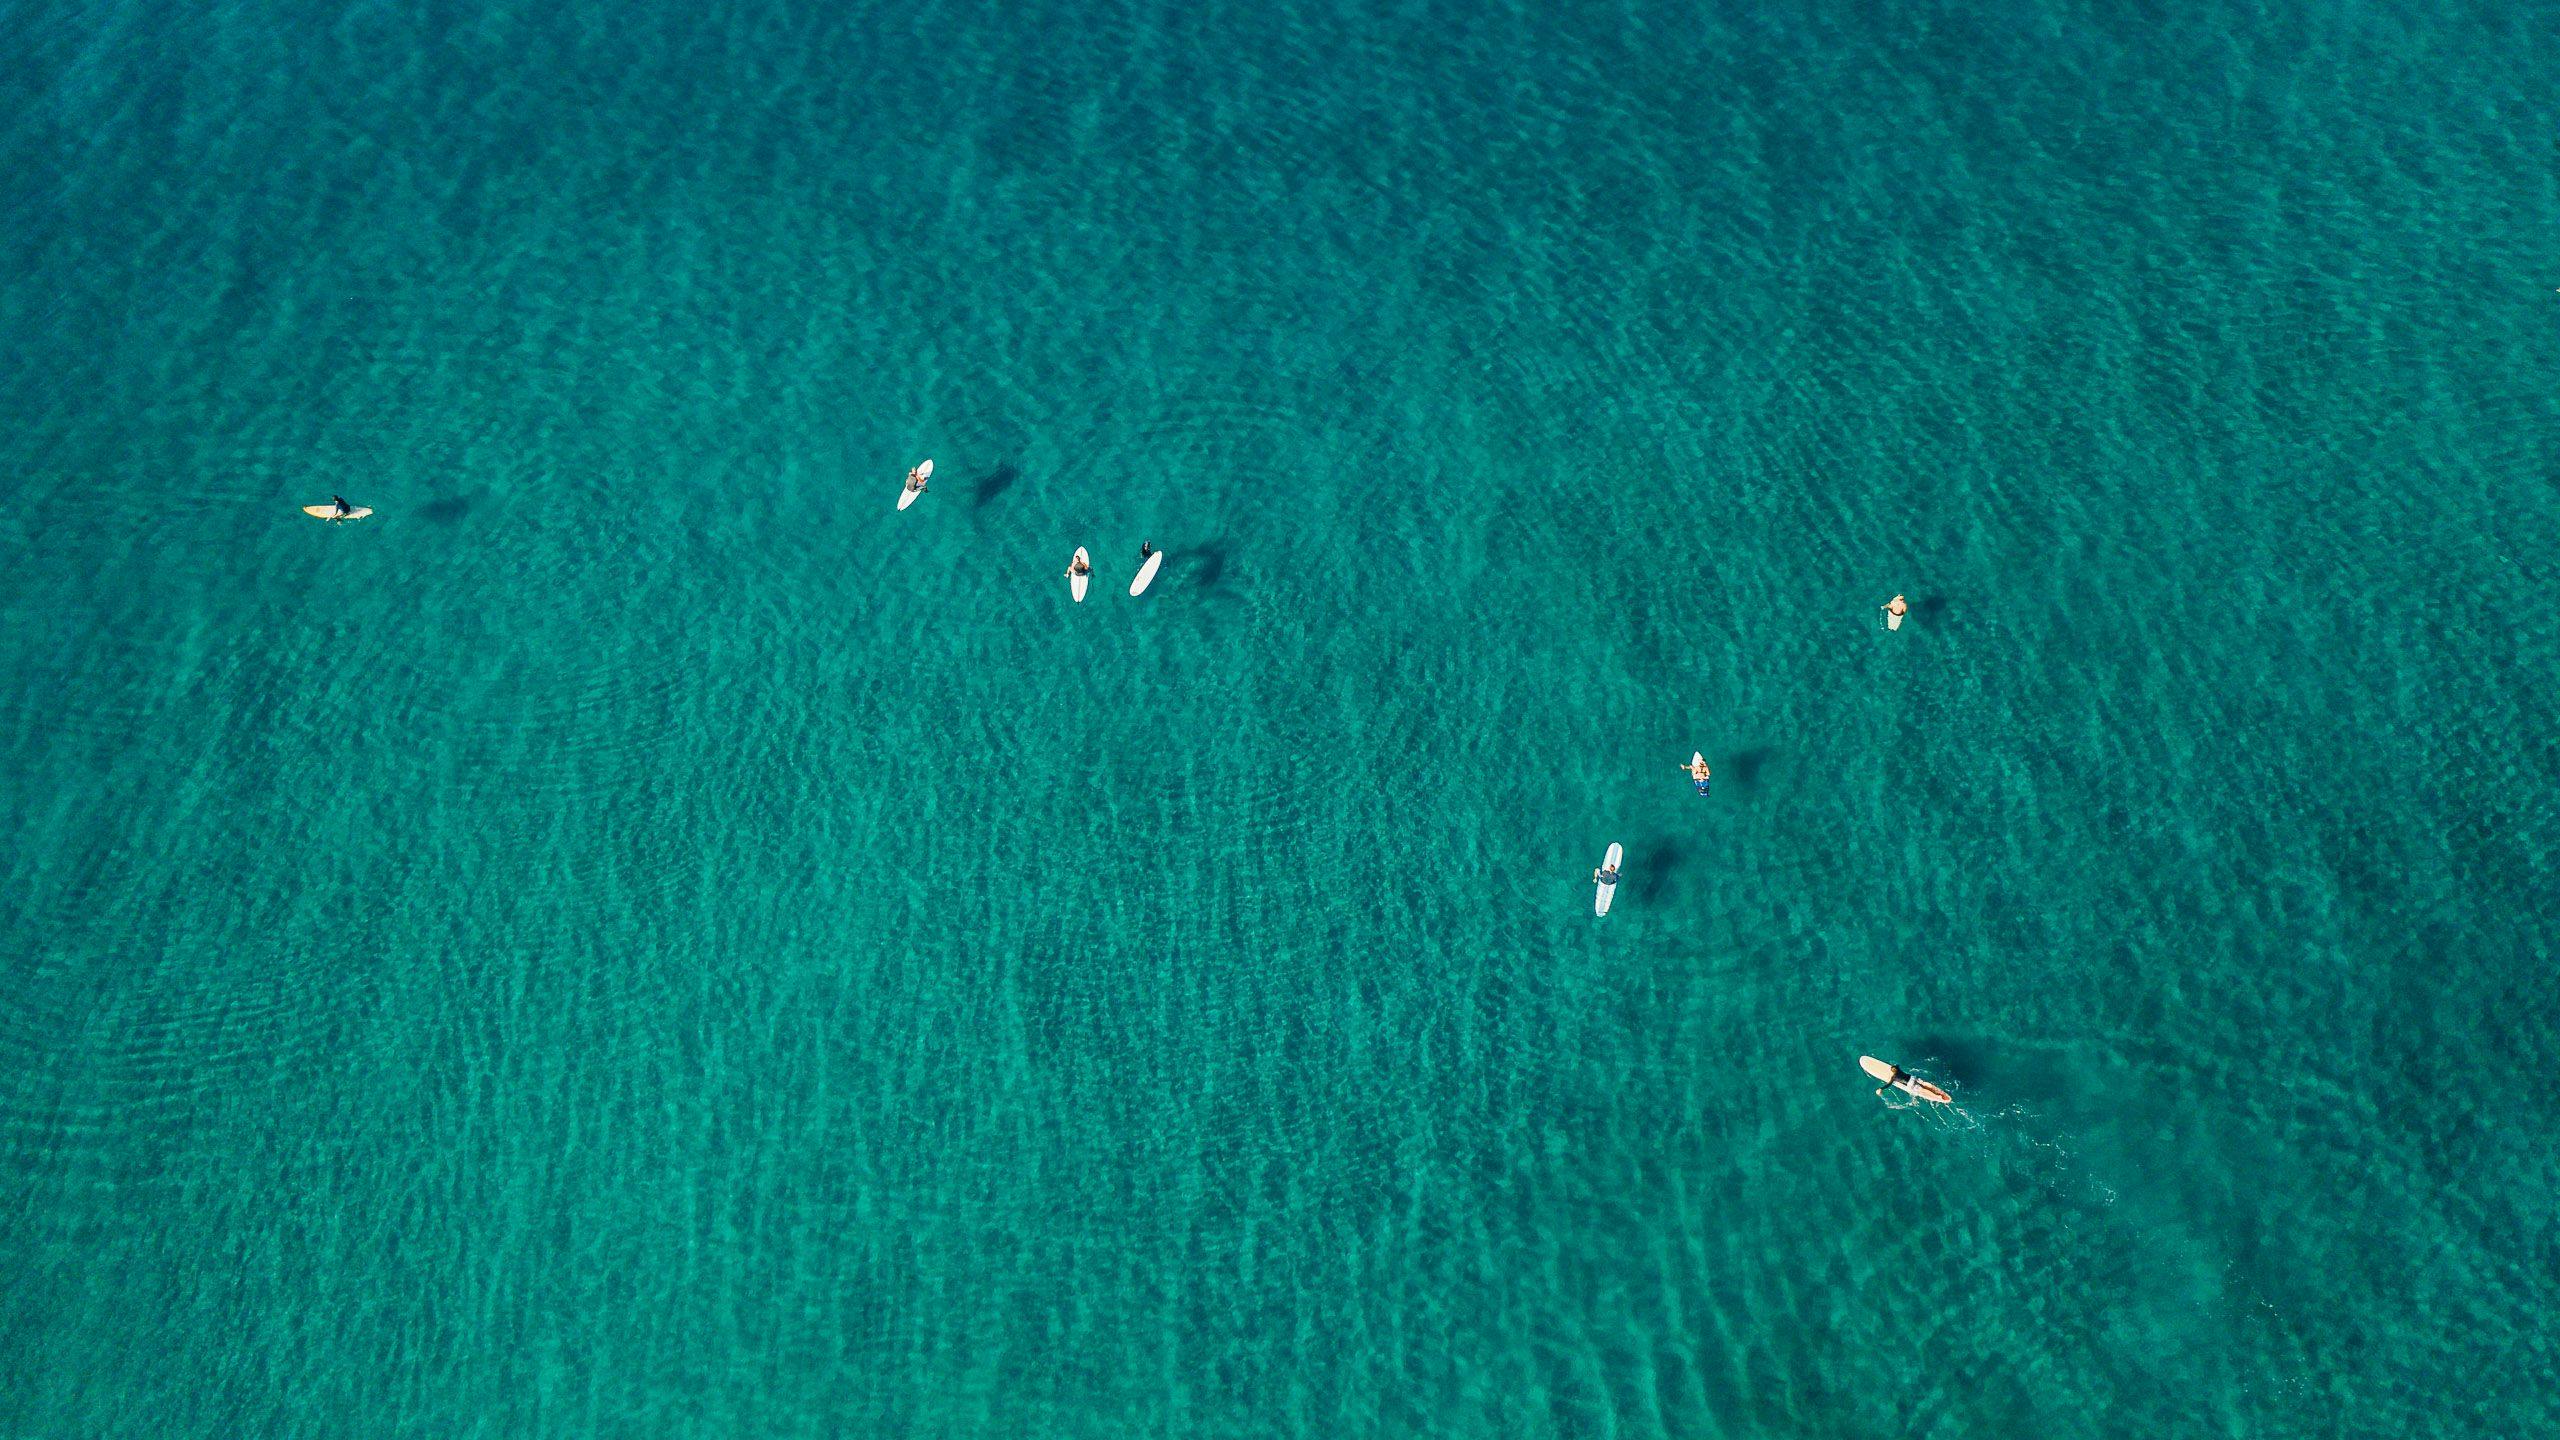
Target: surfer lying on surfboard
{"type": "Point", "coordinates": [1897, 1078]}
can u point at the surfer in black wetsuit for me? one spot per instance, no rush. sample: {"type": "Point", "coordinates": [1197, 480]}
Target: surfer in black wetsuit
{"type": "Point", "coordinates": [1144, 550]}
{"type": "Point", "coordinates": [344, 509]}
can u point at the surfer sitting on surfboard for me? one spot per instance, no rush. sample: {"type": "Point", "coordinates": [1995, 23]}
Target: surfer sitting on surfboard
{"type": "Point", "coordinates": [1894, 610]}
{"type": "Point", "coordinates": [343, 508]}
{"type": "Point", "coordinates": [1079, 565]}
{"type": "Point", "coordinates": [915, 480]}
{"type": "Point", "coordinates": [1697, 768]}
{"type": "Point", "coordinates": [1606, 875]}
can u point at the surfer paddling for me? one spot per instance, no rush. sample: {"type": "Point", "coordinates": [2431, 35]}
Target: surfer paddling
{"type": "Point", "coordinates": [1897, 1078]}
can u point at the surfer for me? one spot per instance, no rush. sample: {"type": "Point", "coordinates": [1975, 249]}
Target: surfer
{"type": "Point", "coordinates": [1079, 566]}
{"type": "Point", "coordinates": [1606, 875]}
{"type": "Point", "coordinates": [915, 480]}
{"type": "Point", "coordinates": [1897, 1078]}
{"type": "Point", "coordinates": [1895, 609]}
{"type": "Point", "coordinates": [1697, 768]}
{"type": "Point", "coordinates": [1144, 550]}
{"type": "Point", "coordinates": [342, 508]}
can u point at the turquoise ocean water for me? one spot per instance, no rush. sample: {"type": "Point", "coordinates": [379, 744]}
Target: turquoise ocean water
{"type": "Point", "coordinates": [639, 938]}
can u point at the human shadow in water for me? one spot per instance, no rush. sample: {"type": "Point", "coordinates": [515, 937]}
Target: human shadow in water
{"type": "Point", "coordinates": [995, 482]}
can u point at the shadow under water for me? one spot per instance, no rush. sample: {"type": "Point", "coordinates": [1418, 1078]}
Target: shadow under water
{"type": "Point", "coordinates": [1206, 562]}
{"type": "Point", "coordinates": [448, 509]}
{"type": "Point", "coordinates": [995, 482]}
{"type": "Point", "coordinates": [1653, 867]}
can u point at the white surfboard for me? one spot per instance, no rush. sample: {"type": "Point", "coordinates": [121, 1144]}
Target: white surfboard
{"type": "Point", "coordinates": [1891, 620]}
{"type": "Point", "coordinates": [1696, 759]}
{"type": "Point", "coordinates": [1076, 581]}
{"type": "Point", "coordinates": [1608, 888]}
{"type": "Point", "coordinates": [1147, 574]}
{"type": "Point", "coordinates": [907, 491]}
{"type": "Point", "coordinates": [330, 512]}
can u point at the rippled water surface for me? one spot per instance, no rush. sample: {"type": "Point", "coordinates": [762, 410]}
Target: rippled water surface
{"type": "Point", "coordinates": [639, 938]}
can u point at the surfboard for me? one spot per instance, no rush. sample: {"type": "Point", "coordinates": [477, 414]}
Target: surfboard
{"type": "Point", "coordinates": [1076, 582]}
{"type": "Point", "coordinates": [1147, 574]}
{"type": "Point", "coordinates": [907, 493]}
{"type": "Point", "coordinates": [330, 512]}
{"type": "Point", "coordinates": [1696, 759]}
{"type": "Point", "coordinates": [1908, 1084]}
{"type": "Point", "coordinates": [1608, 888]}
